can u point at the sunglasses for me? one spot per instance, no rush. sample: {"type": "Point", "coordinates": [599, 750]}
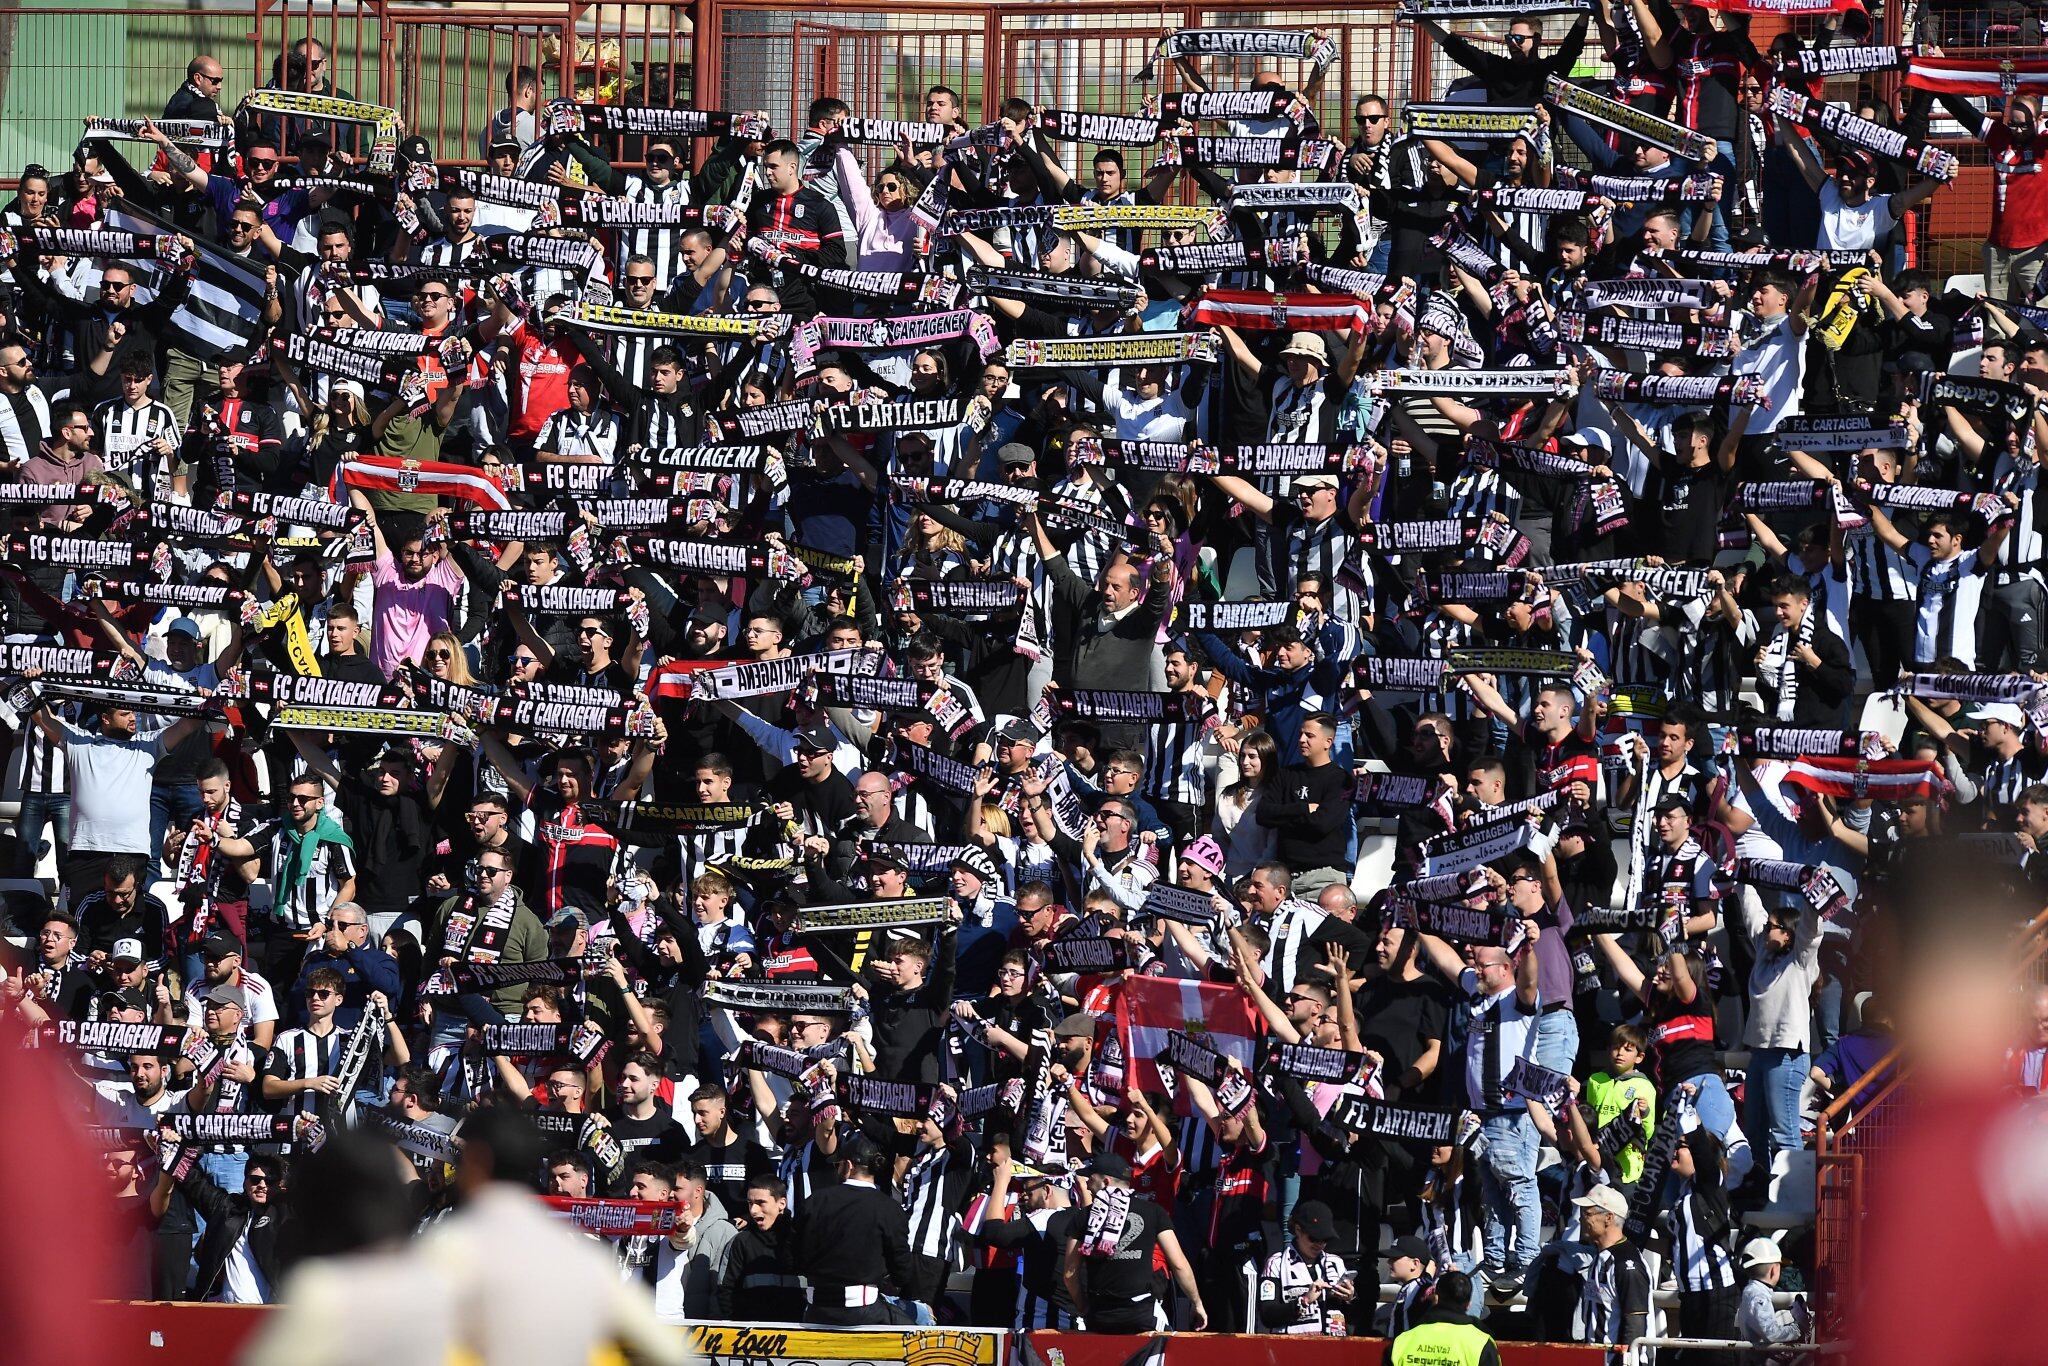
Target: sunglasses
{"type": "Point", "coordinates": [427, 294]}
{"type": "Point", "coordinates": [256, 1179]}
{"type": "Point", "coordinates": [523, 661]}
{"type": "Point", "coordinates": [215, 79]}
{"type": "Point", "coordinates": [440, 654]}
{"type": "Point", "coordinates": [1371, 118]}
{"type": "Point", "coordinates": [661, 158]}
{"type": "Point", "coordinates": [263, 161]}
{"type": "Point", "coordinates": [237, 225]}
{"type": "Point", "coordinates": [321, 993]}
{"type": "Point", "coordinates": [109, 286]}
{"type": "Point", "coordinates": [639, 279]}
{"type": "Point", "coordinates": [760, 303]}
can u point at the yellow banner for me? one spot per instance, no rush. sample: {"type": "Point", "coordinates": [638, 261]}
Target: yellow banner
{"type": "Point", "coordinates": [920, 1347]}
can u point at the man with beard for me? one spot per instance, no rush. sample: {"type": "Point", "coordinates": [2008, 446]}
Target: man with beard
{"type": "Point", "coordinates": [242, 1252]}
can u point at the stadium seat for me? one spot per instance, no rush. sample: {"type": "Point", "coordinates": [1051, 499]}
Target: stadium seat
{"type": "Point", "coordinates": [1241, 580]}
{"type": "Point", "coordinates": [1791, 1202]}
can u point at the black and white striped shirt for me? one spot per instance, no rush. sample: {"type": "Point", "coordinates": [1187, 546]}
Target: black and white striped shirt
{"type": "Point", "coordinates": [1878, 571]}
{"type": "Point", "coordinates": [569, 432]}
{"type": "Point", "coordinates": [2021, 553]}
{"type": "Point", "coordinates": [1945, 625]}
{"type": "Point", "coordinates": [300, 1054]}
{"type": "Point", "coordinates": [934, 1192]}
{"type": "Point", "coordinates": [663, 246]}
{"type": "Point", "coordinates": [1698, 1258]}
{"type": "Point", "coordinates": [127, 432]}
{"type": "Point", "coordinates": [1174, 767]}
{"type": "Point", "coordinates": [24, 424]}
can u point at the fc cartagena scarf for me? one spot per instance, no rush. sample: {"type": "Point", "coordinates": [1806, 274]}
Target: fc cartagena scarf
{"type": "Point", "coordinates": [1644, 334]}
{"type": "Point", "coordinates": [567, 116]}
{"type": "Point", "coordinates": [1242, 42]}
{"type": "Point", "coordinates": [1071, 125]}
{"type": "Point", "coordinates": [1209, 258]}
{"type": "Point", "coordinates": [890, 132]}
{"type": "Point", "coordinates": [1283, 152]}
{"type": "Point", "coordinates": [1845, 127]}
{"type": "Point", "coordinates": [1844, 60]}
{"type": "Point", "coordinates": [1982, 396]}
{"type": "Point", "coordinates": [1828, 435]}
{"type": "Point", "coordinates": [642, 322]}
{"type": "Point", "coordinates": [1411, 380]}
{"type": "Point", "coordinates": [918, 291]}
{"type": "Point", "coordinates": [1612, 386]}
{"type": "Point", "coordinates": [1443, 10]}
{"type": "Point", "coordinates": [1792, 742]}
{"type": "Point", "coordinates": [1629, 121]}
{"type": "Point", "coordinates": [1260, 311]}
{"type": "Point", "coordinates": [1057, 292]}
{"type": "Point", "coordinates": [184, 132]}
{"type": "Point", "coordinates": [1127, 348]}
{"type": "Point", "coordinates": [1649, 294]}
{"type": "Point", "coordinates": [884, 334]}
{"type": "Point", "coordinates": [1469, 122]}
{"type": "Point", "coordinates": [383, 121]}
{"type": "Point", "coordinates": [1640, 189]}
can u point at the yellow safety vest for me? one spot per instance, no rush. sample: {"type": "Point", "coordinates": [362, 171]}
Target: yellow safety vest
{"type": "Point", "coordinates": [1441, 1344]}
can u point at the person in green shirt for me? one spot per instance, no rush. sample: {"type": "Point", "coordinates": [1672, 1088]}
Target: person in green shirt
{"type": "Point", "coordinates": [1623, 1089]}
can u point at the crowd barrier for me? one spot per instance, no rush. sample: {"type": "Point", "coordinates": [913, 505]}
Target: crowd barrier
{"type": "Point", "coordinates": [167, 1334]}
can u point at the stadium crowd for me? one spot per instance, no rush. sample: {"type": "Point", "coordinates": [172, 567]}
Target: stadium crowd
{"type": "Point", "coordinates": [981, 738]}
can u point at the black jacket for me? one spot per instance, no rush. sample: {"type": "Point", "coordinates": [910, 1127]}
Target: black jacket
{"type": "Point", "coordinates": [910, 1026]}
{"type": "Point", "coordinates": [227, 1216]}
{"type": "Point", "coordinates": [852, 1235]}
{"type": "Point", "coordinates": [761, 1284]}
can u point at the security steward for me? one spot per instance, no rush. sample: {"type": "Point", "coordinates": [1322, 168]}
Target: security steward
{"type": "Point", "coordinates": [1445, 1336]}
{"type": "Point", "coordinates": [844, 1234]}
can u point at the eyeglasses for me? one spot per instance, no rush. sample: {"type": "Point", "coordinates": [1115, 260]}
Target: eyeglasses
{"type": "Point", "coordinates": [114, 286]}
{"type": "Point", "coordinates": [1524, 877]}
{"type": "Point", "coordinates": [1009, 972]}
{"type": "Point", "coordinates": [260, 162]}
{"type": "Point", "coordinates": [298, 799]}
{"type": "Point", "coordinates": [760, 303]}
{"type": "Point", "coordinates": [523, 661]}
{"type": "Point", "coordinates": [440, 654]}
{"type": "Point", "coordinates": [600, 631]}
{"type": "Point", "coordinates": [216, 78]}
{"type": "Point", "coordinates": [1371, 118]}
{"type": "Point", "coordinates": [77, 427]}
{"type": "Point", "coordinates": [1520, 38]}
{"type": "Point", "coordinates": [639, 279]}
{"type": "Point", "coordinates": [494, 872]}
{"type": "Point", "coordinates": [426, 294]}
{"type": "Point", "coordinates": [661, 158]}
{"type": "Point", "coordinates": [219, 1005]}
{"type": "Point", "coordinates": [321, 993]}
{"type": "Point", "coordinates": [337, 316]}
{"type": "Point", "coordinates": [237, 225]}
{"type": "Point", "coordinates": [256, 1178]}
{"type": "Point", "coordinates": [350, 924]}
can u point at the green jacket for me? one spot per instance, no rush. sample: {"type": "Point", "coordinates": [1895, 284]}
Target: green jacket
{"type": "Point", "coordinates": [526, 942]}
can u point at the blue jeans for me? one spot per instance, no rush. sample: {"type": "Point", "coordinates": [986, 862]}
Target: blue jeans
{"type": "Point", "coordinates": [1776, 1077]}
{"type": "Point", "coordinates": [1557, 1040]}
{"type": "Point", "coordinates": [169, 802]}
{"type": "Point", "coordinates": [1507, 1183]}
{"type": "Point", "coordinates": [36, 811]}
{"type": "Point", "coordinates": [1716, 1108]}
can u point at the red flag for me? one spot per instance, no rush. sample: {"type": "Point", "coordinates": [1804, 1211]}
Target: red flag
{"type": "Point", "coordinates": [1978, 75]}
{"type": "Point", "coordinates": [1147, 1007]}
{"type": "Point", "coordinates": [1888, 780]}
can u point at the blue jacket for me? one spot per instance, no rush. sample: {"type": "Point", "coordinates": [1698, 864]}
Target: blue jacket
{"type": "Point", "coordinates": [363, 970]}
{"type": "Point", "coordinates": [1284, 699]}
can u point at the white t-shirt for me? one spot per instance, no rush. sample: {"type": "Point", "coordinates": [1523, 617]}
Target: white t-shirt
{"type": "Point", "coordinates": [242, 1281]}
{"type": "Point", "coordinates": [1777, 358]}
{"type": "Point", "coordinates": [1853, 227]}
{"type": "Point", "coordinates": [259, 1002]}
{"type": "Point", "coordinates": [110, 782]}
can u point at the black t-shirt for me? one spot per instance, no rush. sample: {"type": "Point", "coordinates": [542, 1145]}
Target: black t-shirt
{"type": "Point", "coordinates": [1398, 1019]}
{"type": "Point", "coordinates": [1685, 510]}
{"type": "Point", "coordinates": [658, 1138]}
{"type": "Point", "coordinates": [1121, 1283]}
{"type": "Point", "coordinates": [728, 1167]}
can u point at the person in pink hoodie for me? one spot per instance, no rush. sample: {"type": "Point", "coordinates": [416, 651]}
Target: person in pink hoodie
{"type": "Point", "coordinates": [884, 235]}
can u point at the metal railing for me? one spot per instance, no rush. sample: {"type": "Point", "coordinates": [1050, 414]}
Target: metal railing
{"type": "Point", "coordinates": [1860, 1127]}
{"type": "Point", "coordinates": [1643, 1351]}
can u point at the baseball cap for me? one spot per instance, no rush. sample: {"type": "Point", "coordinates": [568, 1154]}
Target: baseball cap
{"type": "Point", "coordinates": [565, 919]}
{"type": "Point", "coordinates": [877, 856]}
{"type": "Point", "coordinates": [1015, 453]}
{"type": "Point", "coordinates": [1606, 1199]}
{"type": "Point", "coordinates": [1411, 1246]}
{"type": "Point", "coordinates": [1761, 1252]}
{"type": "Point", "coordinates": [1856, 162]}
{"type": "Point", "coordinates": [1670, 801]}
{"type": "Point", "coordinates": [1315, 481]}
{"type": "Point", "coordinates": [975, 860]}
{"type": "Point", "coordinates": [127, 998]}
{"type": "Point", "coordinates": [219, 944]}
{"type": "Point", "coordinates": [1206, 854]}
{"type": "Point", "coordinates": [183, 626]}
{"type": "Point", "coordinates": [2001, 711]}
{"type": "Point", "coordinates": [816, 738]}
{"type": "Point", "coordinates": [127, 950]}
{"type": "Point", "coordinates": [1111, 1165]}
{"type": "Point", "coordinates": [1312, 1219]}
{"type": "Point", "coordinates": [226, 996]}
{"type": "Point", "coordinates": [351, 388]}
{"type": "Point", "coordinates": [1019, 732]}
{"type": "Point", "coordinates": [1079, 1025]}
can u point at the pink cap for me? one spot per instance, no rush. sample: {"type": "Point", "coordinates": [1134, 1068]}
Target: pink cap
{"type": "Point", "coordinates": [1206, 854]}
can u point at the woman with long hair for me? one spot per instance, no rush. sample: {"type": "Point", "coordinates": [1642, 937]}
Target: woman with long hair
{"type": "Point", "coordinates": [1680, 1007]}
{"type": "Point", "coordinates": [1251, 771]}
{"type": "Point", "coordinates": [444, 659]}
